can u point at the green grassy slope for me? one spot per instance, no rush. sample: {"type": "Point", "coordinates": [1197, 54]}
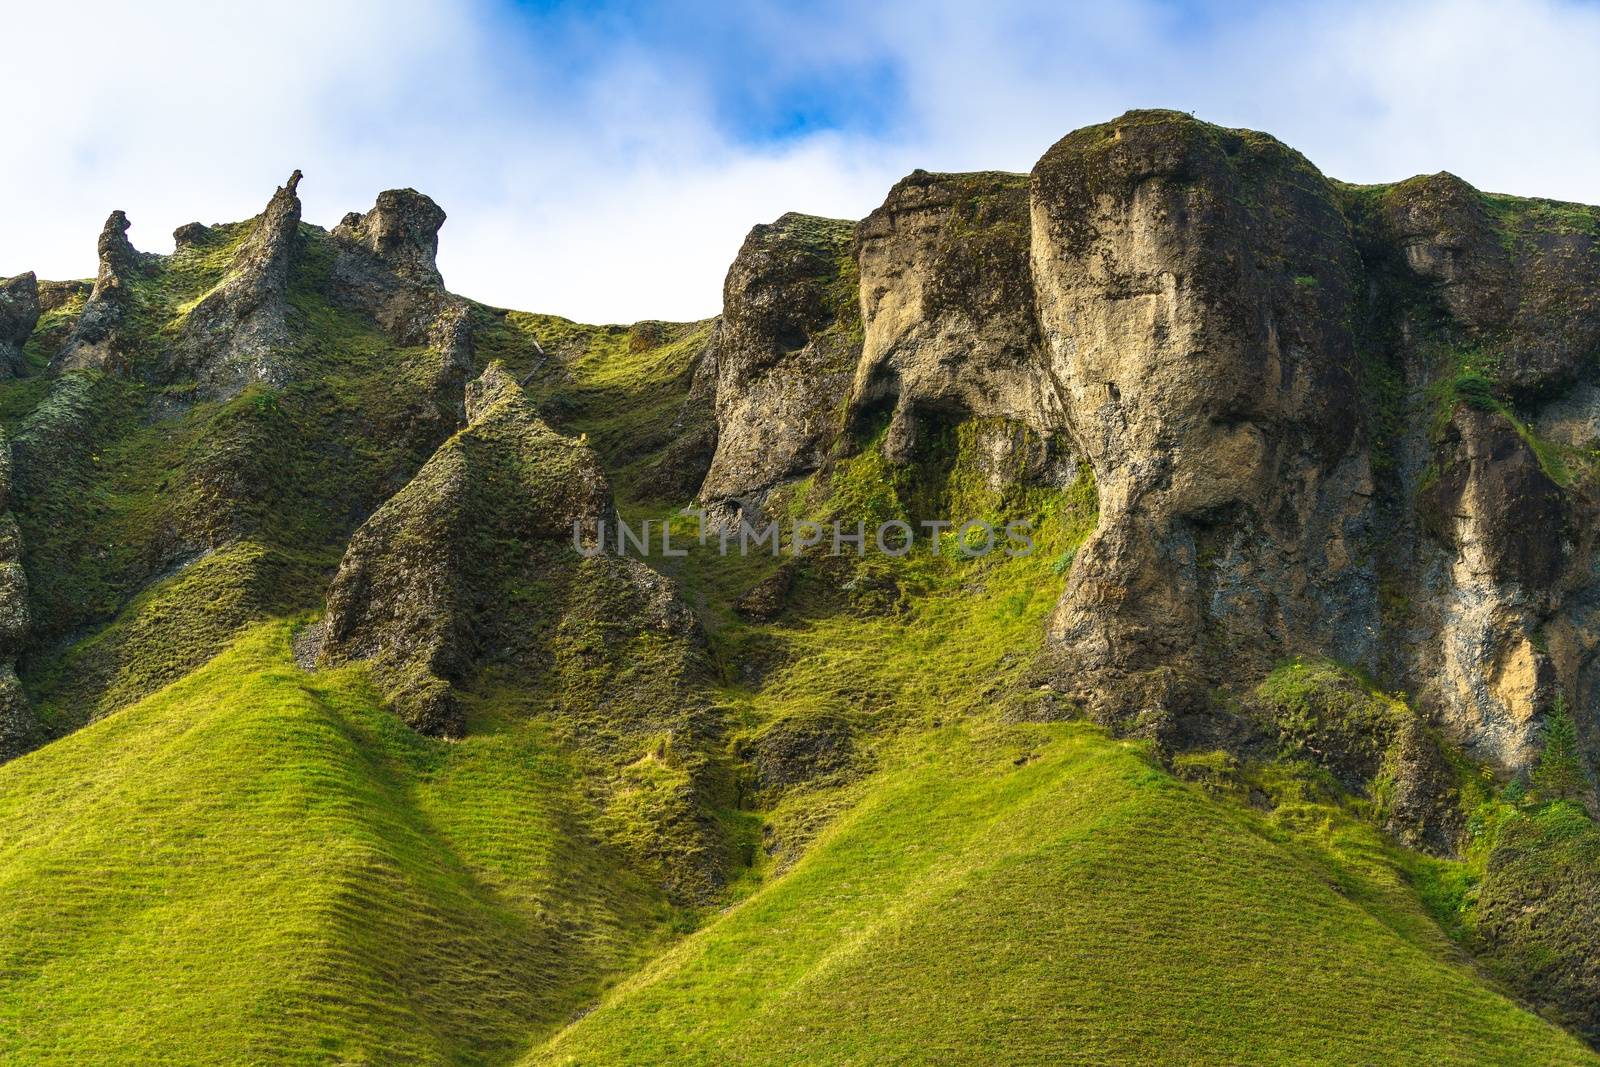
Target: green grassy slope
{"type": "Point", "coordinates": [1042, 894]}
{"type": "Point", "coordinates": [258, 865]}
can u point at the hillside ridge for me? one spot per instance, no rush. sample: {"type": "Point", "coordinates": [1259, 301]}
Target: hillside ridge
{"type": "Point", "coordinates": [1310, 475]}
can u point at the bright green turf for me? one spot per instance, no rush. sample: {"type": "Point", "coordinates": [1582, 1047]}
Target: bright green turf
{"type": "Point", "coordinates": [257, 865]}
{"type": "Point", "coordinates": [1079, 907]}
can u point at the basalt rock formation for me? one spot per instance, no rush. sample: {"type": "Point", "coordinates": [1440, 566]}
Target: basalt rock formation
{"type": "Point", "coordinates": [19, 313]}
{"type": "Point", "coordinates": [947, 309]}
{"type": "Point", "coordinates": [229, 341]}
{"type": "Point", "coordinates": [98, 338]}
{"type": "Point", "coordinates": [239, 332]}
{"type": "Point", "coordinates": [385, 266]}
{"type": "Point", "coordinates": [429, 585]}
{"type": "Point", "coordinates": [1323, 419]}
{"type": "Point", "coordinates": [784, 352]}
{"type": "Point", "coordinates": [1195, 292]}
{"type": "Point", "coordinates": [497, 561]}
{"type": "Point", "coordinates": [1339, 447]}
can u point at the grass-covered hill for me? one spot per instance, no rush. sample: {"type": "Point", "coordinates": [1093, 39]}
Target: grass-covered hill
{"type": "Point", "coordinates": [262, 865]}
{"type": "Point", "coordinates": [323, 743]}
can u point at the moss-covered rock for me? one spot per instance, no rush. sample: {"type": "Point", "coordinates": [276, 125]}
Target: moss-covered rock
{"type": "Point", "coordinates": [785, 350]}
{"type": "Point", "coordinates": [947, 299]}
{"type": "Point", "coordinates": [238, 333]}
{"type": "Point", "coordinates": [800, 750]}
{"type": "Point", "coordinates": [494, 567]}
{"type": "Point", "coordinates": [1538, 913]}
{"type": "Point", "coordinates": [1372, 743]}
{"type": "Point", "coordinates": [1520, 276]}
{"type": "Point", "coordinates": [418, 589]}
{"type": "Point", "coordinates": [19, 313]}
{"type": "Point", "coordinates": [103, 335]}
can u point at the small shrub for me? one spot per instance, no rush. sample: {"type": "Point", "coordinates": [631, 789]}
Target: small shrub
{"type": "Point", "coordinates": [1559, 772]}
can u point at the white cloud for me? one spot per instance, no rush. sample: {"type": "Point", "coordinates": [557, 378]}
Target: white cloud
{"type": "Point", "coordinates": [617, 195]}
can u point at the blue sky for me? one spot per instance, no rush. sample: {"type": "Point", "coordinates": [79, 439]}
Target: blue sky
{"type": "Point", "coordinates": [605, 160]}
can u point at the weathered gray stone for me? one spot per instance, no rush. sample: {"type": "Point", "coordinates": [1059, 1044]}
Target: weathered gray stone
{"type": "Point", "coordinates": [19, 313]}
{"type": "Point", "coordinates": [98, 339]}
{"type": "Point", "coordinates": [1214, 395]}
{"type": "Point", "coordinates": [786, 349]}
{"type": "Point", "coordinates": [238, 334]}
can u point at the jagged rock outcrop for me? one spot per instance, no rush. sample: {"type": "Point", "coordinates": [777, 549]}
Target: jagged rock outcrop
{"type": "Point", "coordinates": [385, 266]}
{"type": "Point", "coordinates": [401, 232]}
{"type": "Point", "coordinates": [785, 352]}
{"type": "Point", "coordinates": [947, 308]}
{"type": "Point", "coordinates": [471, 573]}
{"type": "Point", "coordinates": [100, 339]}
{"type": "Point", "coordinates": [341, 416]}
{"type": "Point", "coordinates": [430, 584]}
{"type": "Point", "coordinates": [1491, 319]}
{"type": "Point", "coordinates": [238, 334]}
{"type": "Point", "coordinates": [19, 313]}
{"type": "Point", "coordinates": [1322, 419]}
{"type": "Point", "coordinates": [408, 594]}
{"type": "Point", "coordinates": [1195, 290]}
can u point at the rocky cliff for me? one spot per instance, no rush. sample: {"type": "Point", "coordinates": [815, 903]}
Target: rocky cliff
{"type": "Point", "coordinates": [1339, 447]}
{"type": "Point", "coordinates": [1356, 422]}
{"type": "Point", "coordinates": [1321, 419]}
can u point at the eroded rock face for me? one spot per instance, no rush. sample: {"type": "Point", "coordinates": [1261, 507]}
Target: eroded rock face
{"type": "Point", "coordinates": [785, 352]}
{"type": "Point", "coordinates": [1195, 294]}
{"type": "Point", "coordinates": [1508, 533]}
{"type": "Point", "coordinates": [402, 232]}
{"type": "Point", "coordinates": [238, 334]}
{"type": "Point", "coordinates": [1519, 281]}
{"type": "Point", "coordinates": [947, 308]}
{"type": "Point", "coordinates": [1261, 367]}
{"type": "Point", "coordinates": [471, 572]}
{"type": "Point", "coordinates": [19, 312]}
{"type": "Point", "coordinates": [98, 339]}
{"type": "Point", "coordinates": [385, 267]}
{"type": "Point", "coordinates": [426, 588]}
{"type": "Point", "coordinates": [1496, 318]}
{"type": "Point", "coordinates": [408, 594]}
